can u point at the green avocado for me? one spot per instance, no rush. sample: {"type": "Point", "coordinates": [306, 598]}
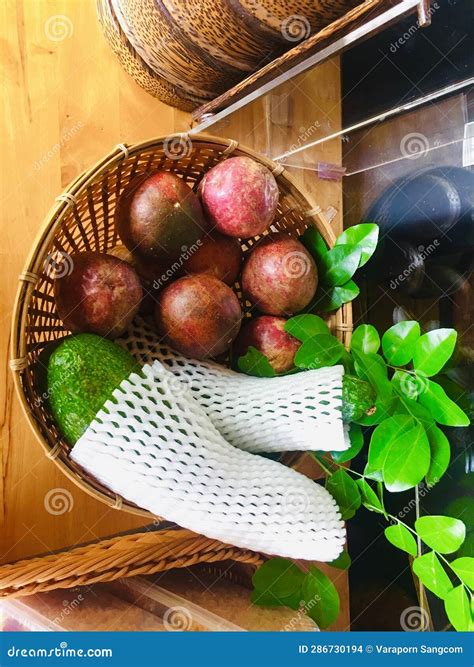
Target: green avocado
{"type": "Point", "coordinates": [358, 398]}
{"type": "Point", "coordinates": [82, 372]}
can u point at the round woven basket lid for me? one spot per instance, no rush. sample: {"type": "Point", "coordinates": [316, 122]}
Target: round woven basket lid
{"type": "Point", "coordinates": [167, 50]}
{"type": "Point", "coordinates": [82, 218]}
{"type": "Point", "coordinates": [174, 95]}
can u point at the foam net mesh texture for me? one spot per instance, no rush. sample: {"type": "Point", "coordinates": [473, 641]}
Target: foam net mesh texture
{"type": "Point", "coordinates": [297, 412]}
{"type": "Point", "coordinates": [159, 450]}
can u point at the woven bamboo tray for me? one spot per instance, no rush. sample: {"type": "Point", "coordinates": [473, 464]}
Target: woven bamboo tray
{"type": "Point", "coordinates": [82, 219]}
{"type": "Point", "coordinates": [129, 555]}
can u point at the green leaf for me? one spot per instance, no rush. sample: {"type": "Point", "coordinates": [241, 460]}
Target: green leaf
{"type": "Point", "coordinates": [460, 395]}
{"type": "Point", "coordinates": [318, 351]}
{"type": "Point", "coordinates": [253, 362]}
{"type": "Point", "coordinates": [365, 339]}
{"type": "Point", "coordinates": [433, 349]}
{"type": "Point", "coordinates": [398, 342]}
{"type": "Point", "coordinates": [320, 597]}
{"type": "Point", "coordinates": [332, 298]}
{"type": "Point", "coordinates": [401, 538]}
{"type": "Point", "coordinates": [304, 327]}
{"type": "Point", "coordinates": [430, 572]}
{"type": "Point", "coordinates": [443, 409]}
{"type": "Point", "coordinates": [345, 492]}
{"type": "Point", "coordinates": [342, 562]}
{"type": "Point", "coordinates": [407, 460]}
{"type": "Point", "coordinates": [383, 410]}
{"type": "Point", "coordinates": [409, 385]}
{"type": "Point", "coordinates": [372, 367]}
{"type": "Point", "coordinates": [357, 442]}
{"type": "Point", "coordinates": [382, 437]}
{"type": "Point", "coordinates": [268, 599]}
{"type": "Point", "coordinates": [340, 264]}
{"type": "Point", "coordinates": [411, 407]}
{"type": "Point", "coordinates": [464, 568]}
{"type": "Point", "coordinates": [440, 454]}
{"type": "Point", "coordinates": [315, 244]}
{"type": "Point", "coordinates": [441, 533]}
{"type": "Point", "coordinates": [458, 611]}
{"type": "Point", "coordinates": [370, 499]}
{"type": "Point", "coordinates": [364, 236]}
{"type": "Point", "coordinates": [278, 576]}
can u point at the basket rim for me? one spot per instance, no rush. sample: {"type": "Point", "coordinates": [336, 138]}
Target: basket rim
{"type": "Point", "coordinates": [53, 219]}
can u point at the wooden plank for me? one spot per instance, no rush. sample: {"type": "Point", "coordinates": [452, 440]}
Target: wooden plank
{"type": "Point", "coordinates": [66, 103]}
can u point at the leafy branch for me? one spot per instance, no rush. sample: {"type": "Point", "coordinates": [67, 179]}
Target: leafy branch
{"type": "Point", "coordinates": [352, 250]}
{"type": "Point", "coordinates": [405, 446]}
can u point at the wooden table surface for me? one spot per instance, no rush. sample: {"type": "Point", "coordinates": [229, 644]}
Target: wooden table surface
{"type": "Point", "coordinates": [67, 102]}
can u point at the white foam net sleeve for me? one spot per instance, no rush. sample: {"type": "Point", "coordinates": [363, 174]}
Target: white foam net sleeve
{"type": "Point", "coordinates": [158, 449]}
{"type": "Point", "coordinates": [300, 412]}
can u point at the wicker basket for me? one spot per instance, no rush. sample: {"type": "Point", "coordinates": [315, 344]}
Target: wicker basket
{"type": "Point", "coordinates": [183, 51]}
{"type": "Point", "coordinates": [82, 219]}
{"type": "Point", "coordinates": [128, 555]}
